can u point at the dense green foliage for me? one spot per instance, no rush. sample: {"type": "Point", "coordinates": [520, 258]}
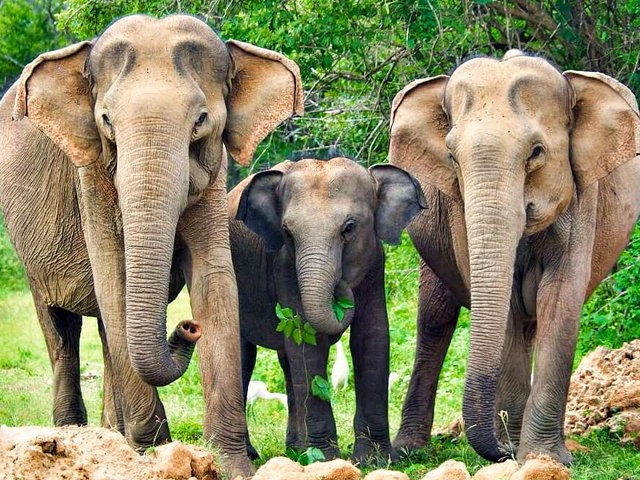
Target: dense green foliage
{"type": "Point", "coordinates": [27, 28]}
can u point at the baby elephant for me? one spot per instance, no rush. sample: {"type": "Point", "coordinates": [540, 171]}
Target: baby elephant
{"type": "Point", "coordinates": [311, 241]}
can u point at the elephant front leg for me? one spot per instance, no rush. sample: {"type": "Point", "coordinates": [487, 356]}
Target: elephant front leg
{"type": "Point", "coordinates": [295, 421]}
{"type": "Point", "coordinates": [318, 426]}
{"type": "Point", "coordinates": [438, 312]}
{"type": "Point", "coordinates": [248, 354]}
{"type": "Point", "coordinates": [213, 292]}
{"type": "Point", "coordinates": [515, 381]}
{"type": "Point", "coordinates": [561, 293]}
{"type": "Point", "coordinates": [369, 344]}
{"type": "Point", "coordinates": [111, 394]}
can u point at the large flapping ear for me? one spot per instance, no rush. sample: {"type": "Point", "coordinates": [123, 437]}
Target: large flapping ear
{"type": "Point", "coordinates": [266, 89]}
{"type": "Point", "coordinates": [606, 126]}
{"type": "Point", "coordinates": [400, 198]}
{"type": "Point", "coordinates": [419, 126]}
{"type": "Point", "coordinates": [259, 208]}
{"type": "Point", "coordinates": [55, 94]}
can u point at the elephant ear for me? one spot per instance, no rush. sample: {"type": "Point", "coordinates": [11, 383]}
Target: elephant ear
{"type": "Point", "coordinates": [400, 198]}
{"type": "Point", "coordinates": [266, 89]}
{"type": "Point", "coordinates": [606, 126]}
{"type": "Point", "coordinates": [419, 125]}
{"type": "Point", "coordinates": [54, 93]}
{"type": "Point", "coordinates": [259, 208]}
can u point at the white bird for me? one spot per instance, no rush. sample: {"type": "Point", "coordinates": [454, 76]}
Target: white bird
{"type": "Point", "coordinates": [258, 389]}
{"type": "Point", "coordinates": [393, 378]}
{"type": "Point", "coordinates": [340, 369]}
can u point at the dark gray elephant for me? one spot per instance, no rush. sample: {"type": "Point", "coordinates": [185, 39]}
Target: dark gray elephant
{"type": "Point", "coordinates": [312, 231]}
{"type": "Point", "coordinates": [112, 155]}
{"type": "Point", "coordinates": [532, 182]}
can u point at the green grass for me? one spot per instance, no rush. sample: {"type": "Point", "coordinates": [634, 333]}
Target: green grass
{"type": "Point", "coordinates": [26, 381]}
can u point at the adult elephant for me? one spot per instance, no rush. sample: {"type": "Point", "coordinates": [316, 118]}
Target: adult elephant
{"type": "Point", "coordinates": [112, 183]}
{"type": "Point", "coordinates": [302, 234]}
{"type": "Point", "coordinates": [532, 186]}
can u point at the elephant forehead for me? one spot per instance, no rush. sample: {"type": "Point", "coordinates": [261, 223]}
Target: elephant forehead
{"type": "Point", "coordinates": [332, 179]}
{"type": "Point", "coordinates": [520, 85]}
{"type": "Point", "coordinates": [139, 41]}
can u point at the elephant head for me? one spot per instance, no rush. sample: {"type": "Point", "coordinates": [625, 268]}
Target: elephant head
{"type": "Point", "coordinates": [515, 141]}
{"type": "Point", "coordinates": [328, 217]}
{"type": "Point", "coordinates": [156, 101]}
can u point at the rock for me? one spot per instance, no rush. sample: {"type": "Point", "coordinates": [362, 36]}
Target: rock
{"type": "Point", "coordinates": [497, 471]}
{"type": "Point", "coordinates": [173, 461]}
{"type": "Point", "coordinates": [386, 475]}
{"type": "Point", "coordinates": [203, 466]}
{"type": "Point", "coordinates": [281, 468]}
{"type": "Point", "coordinates": [605, 393]}
{"type": "Point", "coordinates": [574, 446]}
{"type": "Point", "coordinates": [333, 470]}
{"type": "Point", "coordinates": [449, 470]}
{"type": "Point", "coordinates": [453, 430]}
{"type": "Point", "coordinates": [87, 453]}
{"type": "Point", "coordinates": [541, 467]}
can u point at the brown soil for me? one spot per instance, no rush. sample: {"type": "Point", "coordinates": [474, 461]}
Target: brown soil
{"type": "Point", "coordinates": [87, 453]}
{"type": "Point", "coordinates": [605, 393]}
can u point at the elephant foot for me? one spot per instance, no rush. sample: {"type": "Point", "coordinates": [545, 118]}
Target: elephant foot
{"type": "Point", "coordinates": [238, 466]}
{"type": "Point", "coordinates": [558, 451]}
{"type": "Point", "coordinates": [407, 442]}
{"type": "Point", "coordinates": [369, 453]}
{"type": "Point", "coordinates": [143, 437]}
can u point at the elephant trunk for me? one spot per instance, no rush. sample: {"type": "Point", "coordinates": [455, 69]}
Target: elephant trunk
{"type": "Point", "coordinates": [319, 283]}
{"type": "Point", "coordinates": [495, 222]}
{"type": "Point", "coordinates": [153, 181]}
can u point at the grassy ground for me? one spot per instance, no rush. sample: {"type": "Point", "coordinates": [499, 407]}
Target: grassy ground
{"type": "Point", "coordinates": [26, 386]}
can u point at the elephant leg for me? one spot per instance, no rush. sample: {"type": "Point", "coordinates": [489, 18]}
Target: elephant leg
{"type": "Point", "coordinates": [143, 414]}
{"type": "Point", "coordinates": [62, 335]}
{"type": "Point", "coordinates": [369, 344]}
{"type": "Point", "coordinates": [515, 381]}
{"type": "Point", "coordinates": [561, 293]}
{"type": "Point", "coordinates": [295, 422]}
{"type": "Point", "coordinates": [248, 353]}
{"type": "Point", "coordinates": [208, 271]}
{"type": "Point", "coordinates": [318, 427]}
{"type": "Point", "coordinates": [111, 397]}
{"type": "Point", "coordinates": [438, 312]}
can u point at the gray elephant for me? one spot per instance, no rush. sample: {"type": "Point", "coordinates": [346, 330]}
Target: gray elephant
{"type": "Point", "coordinates": [533, 187]}
{"type": "Point", "coordinates": [302, 234]}
{"type": "Point", "coordinates": [112, 155]}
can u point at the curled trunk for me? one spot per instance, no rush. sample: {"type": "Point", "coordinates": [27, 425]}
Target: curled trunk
{"type": "Point", "coordinates": [495, 222]}
{"type": "Point", "coordinates": [152, 179]}
{"type": "Point", "coordinates": [319, 283]}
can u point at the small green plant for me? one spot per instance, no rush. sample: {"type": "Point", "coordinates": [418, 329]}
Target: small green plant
{"type": "Point", "coordinates": [309, 456]}
{"type": "Point", "coordinates": [340, 305]}
{"type": "Point", "coordinates": [293, 327]}
{"type": "Point", "coordinates": [321, 388]}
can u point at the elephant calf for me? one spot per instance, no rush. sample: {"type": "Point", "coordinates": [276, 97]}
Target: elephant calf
{"type": "Point", "coordinates": [312, 232]}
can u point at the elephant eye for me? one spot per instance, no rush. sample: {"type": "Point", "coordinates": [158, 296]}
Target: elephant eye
{"type": "Point", "coordinates": [536, 158]}
{"type": "Point", "coordinates": [453, 160]}
{"type": "Point", "coordinates": [201, 119]}
{"type": "Point", "coordinates": [287, 233]}
{"type": "Point", "coordinates": [106, 120]}
{"type": "Point", "coordinates": [536, 152]}
{"type": "Point", "coordinates": [348, 228]}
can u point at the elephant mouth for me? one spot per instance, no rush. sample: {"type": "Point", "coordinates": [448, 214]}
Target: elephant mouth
{"type": "Point", "coordinates": [342, 291]}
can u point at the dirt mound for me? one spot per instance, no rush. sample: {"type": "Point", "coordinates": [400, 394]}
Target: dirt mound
{"type": "Point", "coordinates": [605, 393]}
{"type": "Point", "coordinates": [86, 453]}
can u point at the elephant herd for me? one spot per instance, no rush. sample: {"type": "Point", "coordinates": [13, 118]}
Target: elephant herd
{"type": "Point", "coordinates": [518, 184]}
